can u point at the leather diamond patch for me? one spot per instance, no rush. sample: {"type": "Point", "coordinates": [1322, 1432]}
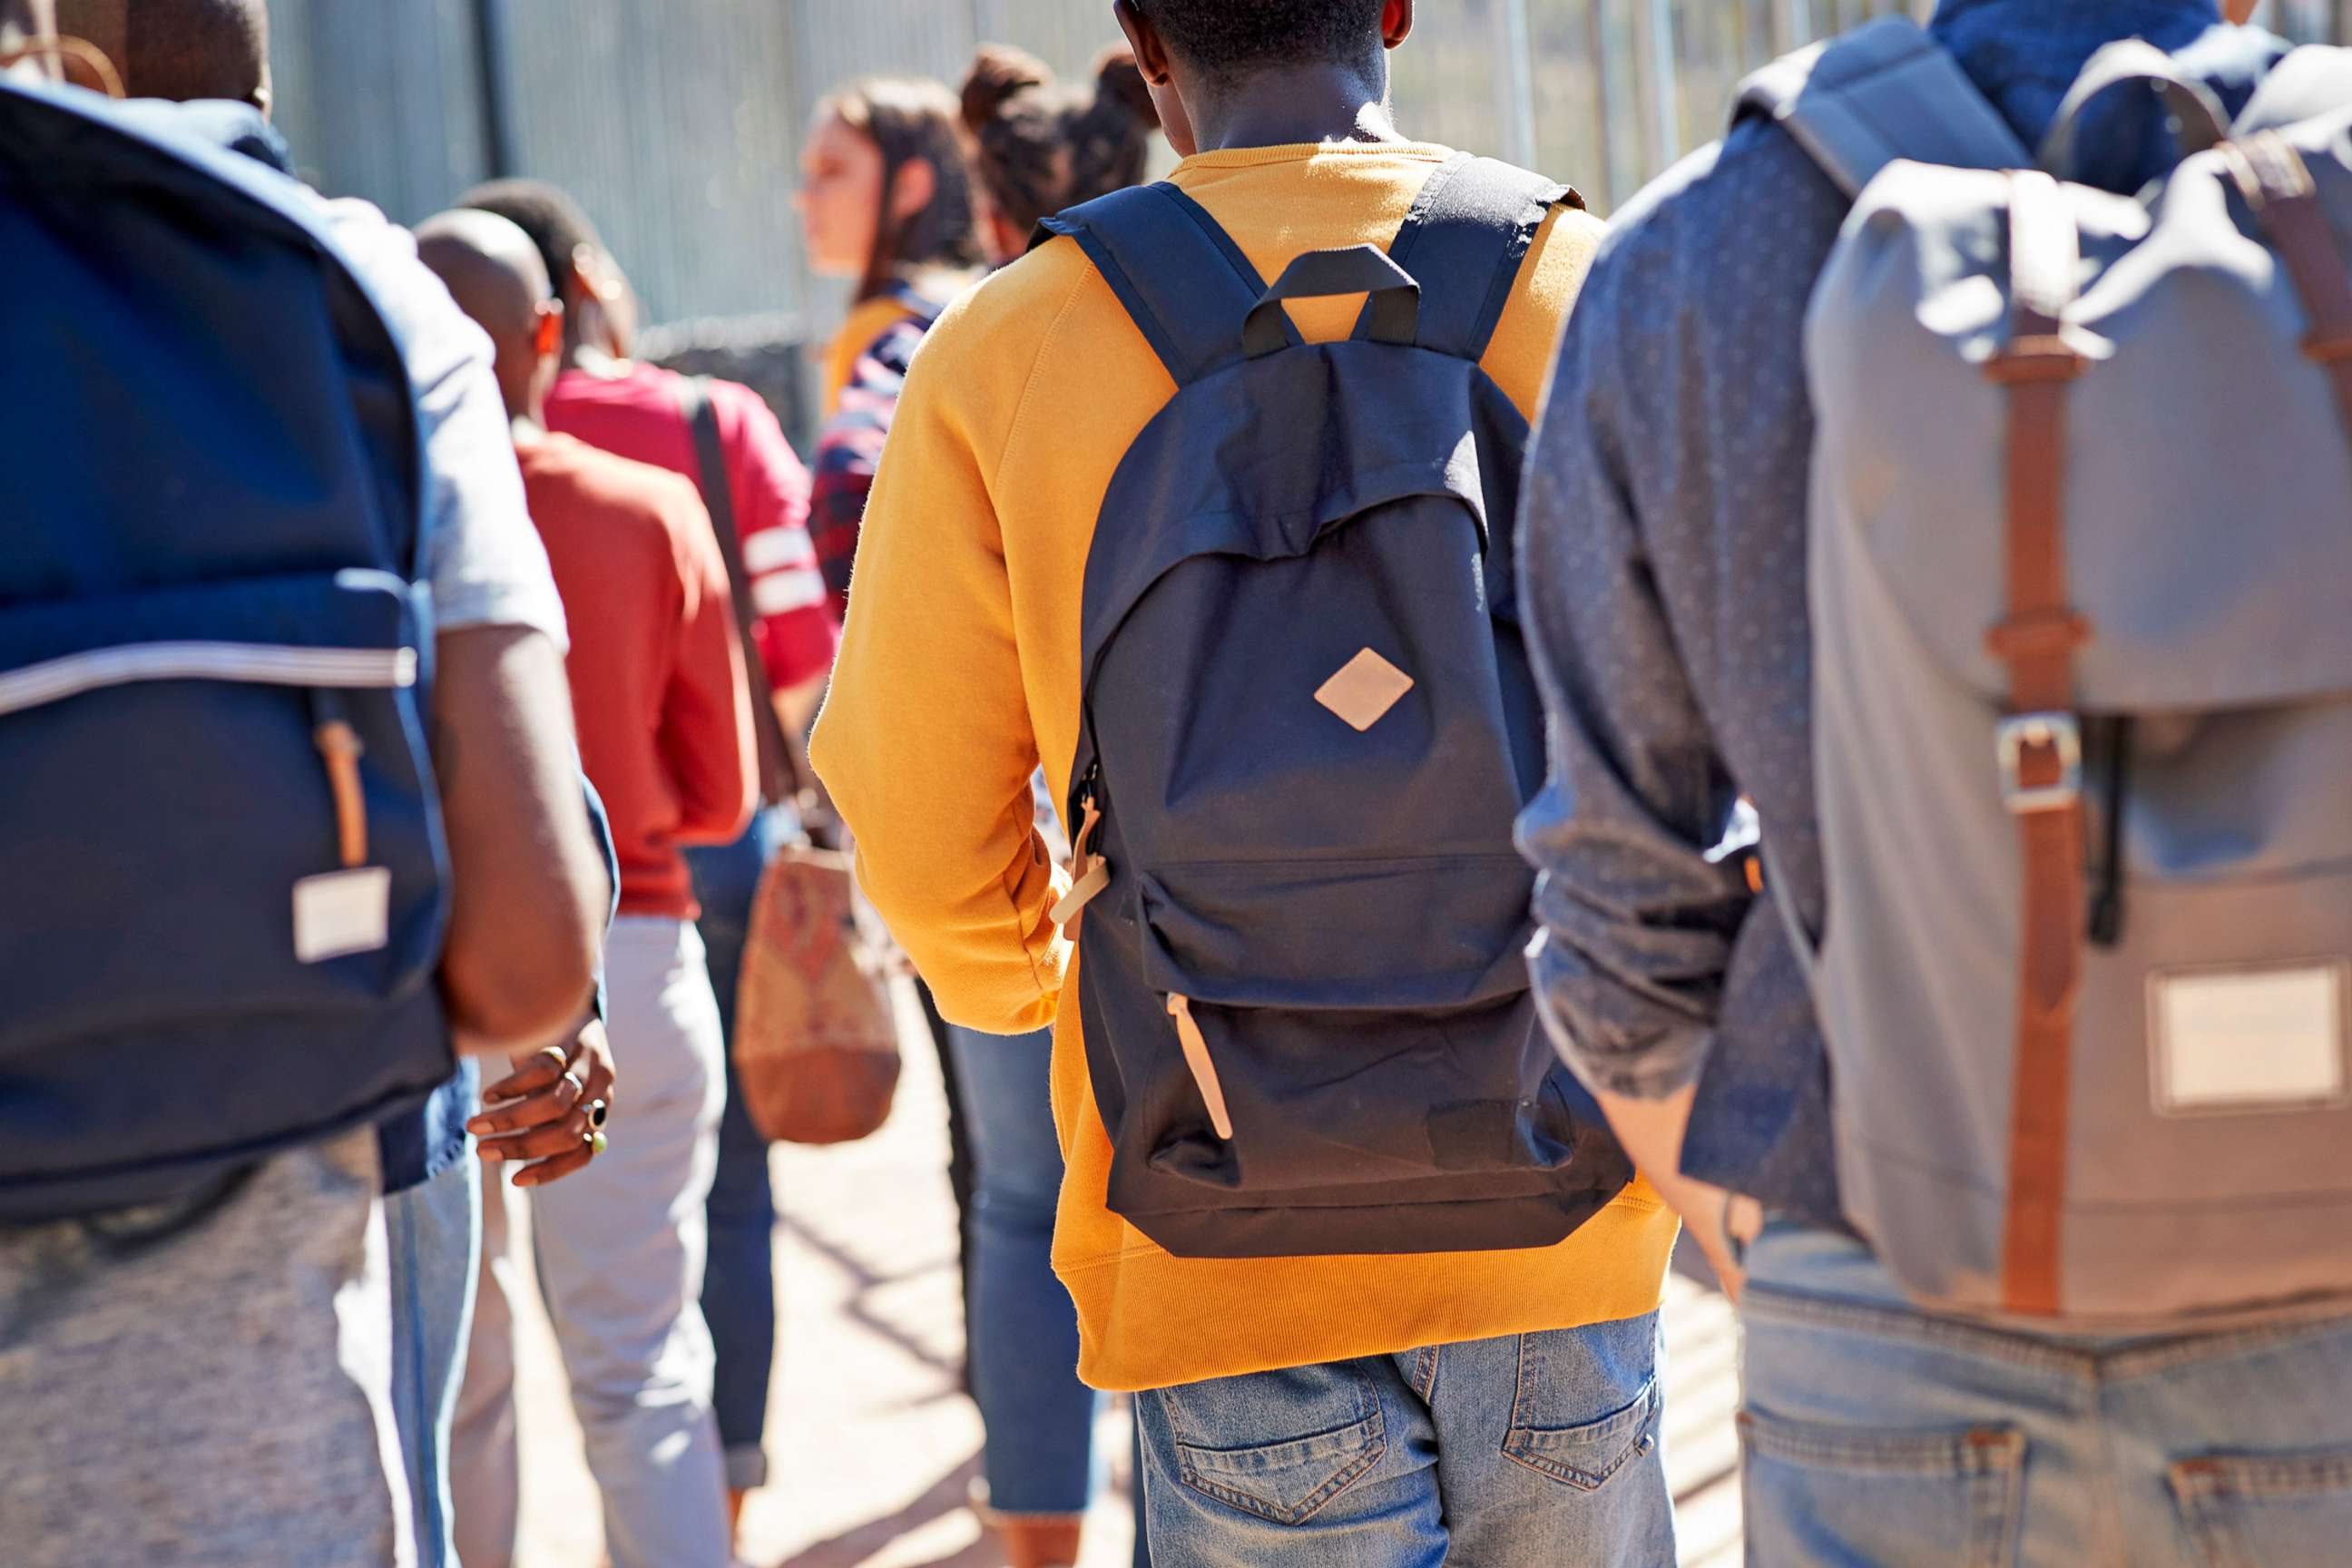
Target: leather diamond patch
{"type": "Point", "coordinates": [1365, 689]}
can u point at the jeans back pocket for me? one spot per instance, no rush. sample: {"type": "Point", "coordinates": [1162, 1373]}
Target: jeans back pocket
{"type": "Point", "coordinates": [1844, 1496]}
{"type": "Point", "coordinates": [2291, 1510]}
{"type": "Point", "coordinates": [1234, 1442]}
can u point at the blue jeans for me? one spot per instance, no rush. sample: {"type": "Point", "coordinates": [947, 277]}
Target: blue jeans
{"type": "Point", "coordinates": [1877, 1434]}
{"type": "Point", "coordinates": [1024, 1333]}
{"type": "Point", "coordinates": [738, 1282]}
{"type": "Point", "coordinates": [434, 1232]}
{"type": "Point", "coordinates": [1535, 1451]}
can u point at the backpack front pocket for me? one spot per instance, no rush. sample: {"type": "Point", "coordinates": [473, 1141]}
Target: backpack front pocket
{"type": "Point", "coordinates": [1357, 1023]}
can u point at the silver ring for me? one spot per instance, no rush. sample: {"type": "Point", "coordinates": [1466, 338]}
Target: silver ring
{"type": "Point", "coordinates": [579, 1085]}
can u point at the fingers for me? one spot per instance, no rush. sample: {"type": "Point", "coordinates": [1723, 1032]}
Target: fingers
{"type": "Point", "coordinates": [540, 1142]}
{"type": "Point", "coordinates": [555, 1168]}
{"type": "Point", "coordinates": [547, 1107]}
{"type": "Point", "coordinates": [540, 1071]}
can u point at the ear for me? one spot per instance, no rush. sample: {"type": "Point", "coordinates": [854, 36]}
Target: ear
{"type": "Point", "coordinates": [1396, 22]}
{"type": "Point", "coordinates": [547, 337]}
{"type": "Point", "coordinates": [594, 275]}
{"type": "Point", "coordinates": [1150, 54]}
{"type": "Point", "coordinates": [917, 182]}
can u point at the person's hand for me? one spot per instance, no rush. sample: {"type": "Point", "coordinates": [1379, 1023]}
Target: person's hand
{"type": "Point", "coordinates": [547, 1115]}
{"type": "Point", "coordinates": [1728, 1238]}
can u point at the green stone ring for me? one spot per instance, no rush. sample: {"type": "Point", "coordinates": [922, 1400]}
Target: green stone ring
{"type": "Point", "coordinates": [596, 1144]}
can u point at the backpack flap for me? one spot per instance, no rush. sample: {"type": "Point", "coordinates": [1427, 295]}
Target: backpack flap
{"type": "Point", "coordinates": [2148, 1118]}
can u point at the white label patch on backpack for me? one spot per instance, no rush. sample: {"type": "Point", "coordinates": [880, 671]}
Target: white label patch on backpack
{"type": "Point", "coordinates": [1364, 690]}
{"type": "Point", "coordinates": [2247, 1039]}
{"type": "Point", "coordinates": [341, 913]}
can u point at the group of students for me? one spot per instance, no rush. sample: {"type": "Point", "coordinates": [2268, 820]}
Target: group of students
{"type": "Point", "coordinates": [581, 597]}
{"type": "Point", "coordinates": [1232, 677]}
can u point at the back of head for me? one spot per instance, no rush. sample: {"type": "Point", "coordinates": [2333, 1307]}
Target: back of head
{"type": "Point", "coordinates": [554, 220]}
{"type": "Point", "coordinates": [1110, 133]}
{"type": "Point", "coordinates": [1011, 108]}
{"type": "Point", "coordinates": [179, 49]}
{"type": "Point", "coordinates": [910, 119]}
{"type": "Point", "coordinates": [1224, 39]}
{"type": "Point", "coordinates": [1039, 147]}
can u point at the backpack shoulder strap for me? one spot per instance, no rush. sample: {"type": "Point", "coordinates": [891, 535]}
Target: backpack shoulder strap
{"type": "Point", "coordinates": [1882, 92]}
{"type": "Point", "coordinates": [2311, 83]}
{"type": "Point", "coordinates": [1183, 280]}
{"type": "Point", "coordinates": [779, 775]}
{"type": "Point", "coordinates": [1464, 240]}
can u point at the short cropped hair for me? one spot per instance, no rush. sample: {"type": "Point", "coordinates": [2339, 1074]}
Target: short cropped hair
{"type": "Point", "coordinates": [178, 49]}
{"type": "Point", "coordinates": [555, 221]}
{"type": "Point", "coordinates": [1224, 38]}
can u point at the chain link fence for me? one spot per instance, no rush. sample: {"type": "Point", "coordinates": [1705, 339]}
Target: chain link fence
{"type": "Point", "coordinates": [679, 122]}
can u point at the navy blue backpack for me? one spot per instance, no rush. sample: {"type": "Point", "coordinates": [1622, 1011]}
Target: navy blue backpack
{"type": "Point", "coordinates": [1309, 725]}
{"type": "Point", "coordinates": [222, 875]}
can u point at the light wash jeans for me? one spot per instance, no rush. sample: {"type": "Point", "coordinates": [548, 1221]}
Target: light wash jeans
{"type": "Point", "coordinates": [1877, 1435]}
{"type": "Point", "coordinates": [1536, 1451]}
{"type": "Point", "coordinates": [620, 1252]}
{"type": "Point", "coordinates": [207, 1383]}
{"type": "Point", "coordinates": [433, 1233]}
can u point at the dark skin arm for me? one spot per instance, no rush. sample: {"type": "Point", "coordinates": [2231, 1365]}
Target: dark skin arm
{"type": "Point", "coordinates": [528, 887]}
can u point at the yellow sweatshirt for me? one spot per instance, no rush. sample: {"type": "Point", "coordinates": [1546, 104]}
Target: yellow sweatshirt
{"type": "Point", "coordinates": [959, 673]}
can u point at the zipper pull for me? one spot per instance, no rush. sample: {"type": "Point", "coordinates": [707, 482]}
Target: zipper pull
{"type": "Point", "coordinates": [341, 748]}
{"type": "Point", "coordinates": [1092, 874]}
{"type": "Point", "coordinates": [1204, 1071]}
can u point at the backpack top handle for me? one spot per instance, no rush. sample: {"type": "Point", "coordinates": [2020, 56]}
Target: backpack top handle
{"type": "Point", "coordinates": [1394, 313]}
{"type": "Point", "coordinates": [2198, 120]}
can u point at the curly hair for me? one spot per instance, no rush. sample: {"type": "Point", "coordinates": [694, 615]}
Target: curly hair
{"type": "Point", "coordinates": [1039, 148]}
{"type": "Point", "coordinates": [1226, 40]}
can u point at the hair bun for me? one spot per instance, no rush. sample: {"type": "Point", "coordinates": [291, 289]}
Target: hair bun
{"type": "Point", "coordinates": [1000, 73]}
{"type": "Point", "coordinates": [1120, 80]}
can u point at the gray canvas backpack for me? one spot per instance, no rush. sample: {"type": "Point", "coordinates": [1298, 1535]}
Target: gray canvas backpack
{"type": "Point", "coordinates": [1308, 726]}
{"type": "Point", "coordinates": [2081, 546]}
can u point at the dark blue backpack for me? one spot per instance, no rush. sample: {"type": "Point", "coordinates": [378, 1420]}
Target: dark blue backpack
{"type": "Point", "coordinates": [220, 845]}
{"type": "Point", "coordinates": [1309, 725]}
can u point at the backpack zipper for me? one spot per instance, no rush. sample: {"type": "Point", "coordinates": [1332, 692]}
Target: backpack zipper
{"type": "Point", "coordinates": [1090, 874]}
{"type": "Point", "coordinates": [1203, 1069]}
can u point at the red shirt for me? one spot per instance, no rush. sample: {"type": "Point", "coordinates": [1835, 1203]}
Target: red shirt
{"type": "Point", "coordinates": [636, 416]}
{"type": "Point", "coordinates": [655, 666]}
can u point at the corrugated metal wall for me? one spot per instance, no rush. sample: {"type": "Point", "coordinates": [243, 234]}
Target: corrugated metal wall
{"type": "Point", "coordinates": [678, 121]}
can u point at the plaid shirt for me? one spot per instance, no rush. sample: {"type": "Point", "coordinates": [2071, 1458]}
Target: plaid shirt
{"type": "Point", "coordinates": [849, 447]}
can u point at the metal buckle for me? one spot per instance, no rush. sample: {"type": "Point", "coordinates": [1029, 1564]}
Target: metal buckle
{"type": "Point", "coordinates": [2059, 731]}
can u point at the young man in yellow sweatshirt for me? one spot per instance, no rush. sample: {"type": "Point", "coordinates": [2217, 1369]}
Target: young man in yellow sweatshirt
{"type": "Point", "coordinates": [1486, 1407]}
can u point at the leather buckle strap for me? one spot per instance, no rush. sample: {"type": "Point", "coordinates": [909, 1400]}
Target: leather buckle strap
{"type": "Point", "coordinates": [2039, 748]}
{"type": "Point", "coordinates": [2277, 184]}
{"type": "Point", "coordinates": [2041, 757]}
{"type": "Point", "coordinates": [2042, 357]}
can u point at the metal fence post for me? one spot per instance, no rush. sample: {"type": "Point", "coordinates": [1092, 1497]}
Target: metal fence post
{"type": "Point", "coordinates": [501, 145]}
{"type": "Point", "coordinates": [1515, 41]}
